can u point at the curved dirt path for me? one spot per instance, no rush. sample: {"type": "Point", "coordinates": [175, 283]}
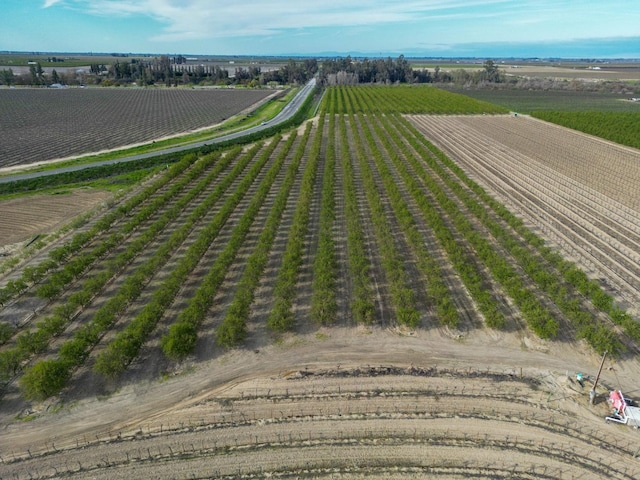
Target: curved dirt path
{"type": "Point", "coordinates": [472, 398]}
{"type": "Point", "coordinates": [426, 404]}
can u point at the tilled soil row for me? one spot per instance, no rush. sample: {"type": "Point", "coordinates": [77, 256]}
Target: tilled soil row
{"type": "Point", "coordinates": [607, 167]}
{"type": "Point", "coordinates": [296, 431]}
{"type": "Point", "coordinates": [523, 182]}
{"type": "Point", "coordinates": [22, 218]}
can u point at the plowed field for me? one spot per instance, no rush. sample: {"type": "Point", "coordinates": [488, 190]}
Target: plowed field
{"type": "Point", "coordinates": [22, 218]}
{"type": "Point", "coordinates": [47, 124]}
{"type": "Point", "coordinates": [339, 421]}
{"type": "Point", "coordinates": [579, 191]}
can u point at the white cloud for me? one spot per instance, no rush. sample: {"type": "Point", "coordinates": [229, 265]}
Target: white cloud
{"type": "Point", "coordinates": [210, 19]}
{"type": "Point", "coordinates": [215, 18]}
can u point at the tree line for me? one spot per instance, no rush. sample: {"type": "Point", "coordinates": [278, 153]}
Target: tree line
{"type": "Point", "coordinates": [176, 71]}
{"type": "Point", "coordinates": [352, 71]}
{"type": "Point", "coordinates": [166, 71]}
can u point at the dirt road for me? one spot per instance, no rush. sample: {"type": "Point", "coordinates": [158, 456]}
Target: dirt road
{"type": "Point", "coordinates": [338, 399]}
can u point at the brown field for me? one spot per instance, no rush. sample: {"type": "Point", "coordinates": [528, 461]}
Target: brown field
{"type": "Point", "coordinates": [354, 401]}
{"type": "Point", "coordinates": [25, 217]}
{"type": "Point", "coordinates": [578, 191]}
{"type": "Point", "coordinates": [48, 124]}
{"type": "Point", "coordinates": [603, 72]}
{"type": "Point", "coordinates": [338, 420]}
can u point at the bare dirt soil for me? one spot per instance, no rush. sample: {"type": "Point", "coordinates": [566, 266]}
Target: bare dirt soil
{"type": "Point", "coordinates": [578, 72]}
{"type": "Point", "coordinates": [342, 403]}
{"type": "Point", "coordinates": [67, 123]}
{"type": "Point", "coordinates": [24, 217]}
{"type": "Point", "coordinates": [578, 191]}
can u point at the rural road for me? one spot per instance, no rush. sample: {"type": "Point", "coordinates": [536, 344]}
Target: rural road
{"type": "Point", "coordinates": [285, 114]}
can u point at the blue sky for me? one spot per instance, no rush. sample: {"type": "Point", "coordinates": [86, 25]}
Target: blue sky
{"type": "Point", "coordinates": [436, 28]}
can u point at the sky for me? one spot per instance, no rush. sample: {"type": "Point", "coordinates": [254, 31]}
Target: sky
{"type": "Point", "coordinates": [430, 28]}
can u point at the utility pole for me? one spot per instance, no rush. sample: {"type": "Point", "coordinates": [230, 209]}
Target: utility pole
{"type": "Point", "coordinates": [592, 393]}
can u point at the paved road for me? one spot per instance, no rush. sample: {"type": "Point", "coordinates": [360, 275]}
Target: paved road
{"type": "Point", "coordinates": [285, 114]}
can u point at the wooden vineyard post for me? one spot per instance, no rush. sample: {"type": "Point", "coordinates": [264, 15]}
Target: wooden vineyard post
{"type": "Point", "coordinates": [592, 393]}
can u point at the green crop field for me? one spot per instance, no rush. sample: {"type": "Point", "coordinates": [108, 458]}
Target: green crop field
{"type": "Point", "coordinates": [527, 101]}
{"type": "Point", "coordinates": [619, 127]}
{"type": "Point", "coordinates": [414, 99]}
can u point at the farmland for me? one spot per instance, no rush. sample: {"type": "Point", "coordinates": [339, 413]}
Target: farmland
{"type": "Point", "coordinates": [20, 222]}
{"type": "Point", "coordinates": [51, 124]}
{"type": "Point", "coordinates": [527, 101]}
{"type": "Point", "coordinates": [350, 298]}
{"type": "Point", "coordinates": [585, 71]}
{"type": "Point", "coordinates": [599, 228]}
{"type": "Point", "coordinates": [619, 127]}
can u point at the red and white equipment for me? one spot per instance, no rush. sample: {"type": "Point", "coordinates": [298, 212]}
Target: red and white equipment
{"type": "Point", "coordinates": [622, 411]}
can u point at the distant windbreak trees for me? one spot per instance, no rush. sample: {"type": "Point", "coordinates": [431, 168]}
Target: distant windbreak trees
{"type": "Point", "coordinates": [353, 71]}
{"type": "Point", "coordinates": [164, 70]}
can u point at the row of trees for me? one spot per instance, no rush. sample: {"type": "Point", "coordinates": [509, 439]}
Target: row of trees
{"type": "Point", "coordinates": [534, 312]}
{"type": "Point", "coordinates": [73, 352]}
{"type": "Point", "coordinates": [281, 318]}
{"type": "Point", "coordinates": [36, 76]}
{"type": "Point", "coordinates": [362, 306]}
{"type": "Point", "coordinates": [233, 328]}
{"type": "Point", "coordinates": [546, 268]}
{"type": "Point", "coordinates": [417, 178]}
{"type": "Point", "coordinates": [127, 344]}
{"type": "Point", "coordinates": [598, 335]}
{"type": "Point", "coordinates": [436, 289]}
{"type": "Point", "coordinates": [58, 280]}
{"type": "Point", "coordinates": [46, 378]}
{"type": "Point", "coordinates": [75, 265]}
{"type": "Point", "coordinates": [402, 294]}
{"type": "Point", "coordinates": [183, 333]}
{"type": "Point", "coordinates": [350, 71]}
{"type": "Point", "coordinates": [31, 342]}
{"type": "Point", "coordinates": [323, 300]}
{"type": "Point", "coordinates": [168, 71]}
{"type": "Point", "coordinates": [163, 70]}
